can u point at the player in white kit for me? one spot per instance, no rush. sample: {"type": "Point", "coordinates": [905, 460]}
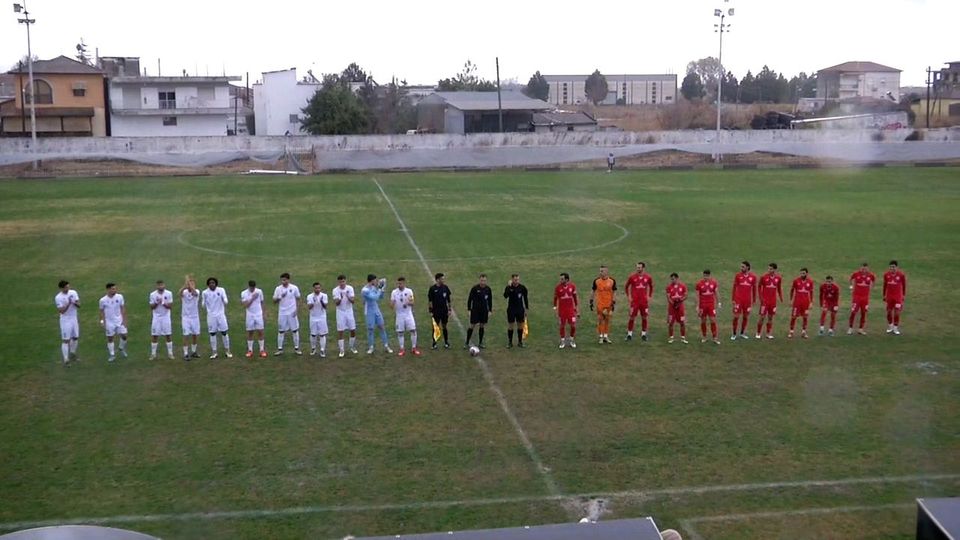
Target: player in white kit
{"type": "Point", "coordinates": [402, 301]}
{"type": "Point", "coordinates": [317, 305]}
{"type": "Point", "coordinates": [113, 319]}
{"type": "Point", "coordinates": [67, 302]}
{"type": "Point", "coordinates": [343, 298]}
{"type": "Point", "coordinates": [190, 317]}
{"type": "Point", "coordinates": [252, 300]}
{"type": "Point", "coordinates": [161, 302]}
{"type": "Point", "coordinates": [214, 300]}
{"type": "Point", "coordinates": [287, 297]}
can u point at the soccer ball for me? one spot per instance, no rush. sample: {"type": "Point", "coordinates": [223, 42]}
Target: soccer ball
{"type": "Point", "coordinates": [474, 350]}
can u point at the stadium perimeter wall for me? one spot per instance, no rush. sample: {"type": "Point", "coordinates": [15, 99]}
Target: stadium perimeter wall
{"type": "Point", "coordinates": [489, 149]}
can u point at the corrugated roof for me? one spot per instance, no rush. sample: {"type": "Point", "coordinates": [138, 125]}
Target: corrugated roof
{"type": "Point", "coordinates": [563, 118]}
{"type": "Point", "coordinates": [61, 65]}
{"type": "Point", "coordinates": [859, 67]}
{"type": "Point", "coordinates": [487, 101]}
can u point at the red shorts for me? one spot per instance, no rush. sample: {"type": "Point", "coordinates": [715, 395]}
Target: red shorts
{"type": "Point", "coordinates": [860, 305]}
{"type": "Point", "coordinates": [642, 309]}
{"type": "Point", "coordinates": [568, 318]}
{"type": "Point", "coordinates": [895, 304]}
{"type": "Point", "coordinates": [768, 309]}
{"type": "Point", "coordinates": [676, 314]}
{"type": "Point", "coordinates": [801, 310]}
{"type": "Point", "coordinates": [707, 311]}
{"type": "Point", "coordinates": [741, 307]}
{"type": "Point", "coordinates": [830, 307]}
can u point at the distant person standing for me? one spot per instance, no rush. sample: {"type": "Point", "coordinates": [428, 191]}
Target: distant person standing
{"type": "Point", "coordinates": [829, 303]}
{"type": "Point", "coordinates": [343, 298]}
{"type": "Point", "coordinates": [252, 301]}
{"type": "Point", "coordinates": [440, 305]}
{"type": "Point", "coordinates": [676, 309]}
{"type": "Point", "coordinates": [518, 303]}
{"type": "Point", "coordinates": [113, 319]}
{"type": "Point", "coordinates": [214, 300]}
{"type": "Point", "coordinates": [708, 290]}
{"type": "Point", "coordinates": [801, 296]}
{"type": "Point", "coordinates": [567, 305]}
{"type": "Point", "coordinates": [371, 293]}
{"type": "Point", "coordinates": [67, 302]}
{"type": "Point", "coordinates": [161, 302]}
{"type": "Point", "coordinates": [317, 302]}
{"type": "Point", "coordinates": [611, 161]}
{"type": "Point", "coordinates": [770, 290]}
{"type": "Point", "coordinates": [480, 306]}
{"type": "Point", "coordinates": [189, 317]}
{"type": "Point", "coordinates": [287, 297]}
{"type": "Point", "coordinates": [894, 293]}
{"type": "Point", "coordinates": [402, 301]}
{"type": "Point", "coordinates": [603, 299]}
{"type": "Point", "coordinates": [861, 282]}
{"type": "Point", "coordinates": [744, 295]}
{"type": "Point", "coordinates": [639, 291]}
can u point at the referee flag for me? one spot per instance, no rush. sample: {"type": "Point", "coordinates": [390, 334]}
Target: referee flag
{"type": "Point", "coordinates": [526, 329]}
{"type": "Point", "coordinates": [437, 331]}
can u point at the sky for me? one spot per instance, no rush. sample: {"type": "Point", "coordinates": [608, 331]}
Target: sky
{"type": "Point", "coordinates": [422, 42]}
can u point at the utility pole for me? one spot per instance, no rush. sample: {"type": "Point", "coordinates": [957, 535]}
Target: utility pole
{"type": "Point", "coordinates": [721, 28]}
{"type": "Point", "coordinates": [499, 98]}
{"type": "Point", "coordinates": [17, 8]}
{"type": "Point", "coordinates": [928, 96]}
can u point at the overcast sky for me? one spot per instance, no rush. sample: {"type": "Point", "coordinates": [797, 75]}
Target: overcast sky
{"type": "Point", "coordinates": [428, 40]}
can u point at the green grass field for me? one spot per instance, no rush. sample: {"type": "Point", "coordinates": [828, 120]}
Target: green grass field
{"type": "Point", "coordinates": [302, 447]}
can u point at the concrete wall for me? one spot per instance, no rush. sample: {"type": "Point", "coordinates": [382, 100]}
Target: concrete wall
{"type": "Point", "coordinates": [187, 125]}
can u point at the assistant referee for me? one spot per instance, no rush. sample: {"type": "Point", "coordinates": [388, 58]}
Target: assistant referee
{"type": "Point", "coordinates": [517, 305]}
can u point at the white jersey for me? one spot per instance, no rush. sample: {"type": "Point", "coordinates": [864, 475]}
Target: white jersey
{"type": "Point", "coordinates": [346, 297]}
{"type": "Point", "coordinates": [288, 297]}
{"type": "Point", "coordinates": [255, 298]}
{"type": "Point", "coordinates": [64, 299]}
{"type": "Point", "coordinates": [161, 298]}
{"type": "Point", "coordinates": [112, 307]}
{"type": "Point", "coordinates": [317, 304]}
{"type": "Point", "coordinates": [402, 300]}
{"type": "Point", "coordinates": [215, 301]}
{"type": "Point", "coordinates": [189, 304]}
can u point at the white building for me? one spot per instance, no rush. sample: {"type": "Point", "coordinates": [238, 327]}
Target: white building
{"type": "Point", "coordinates": [623, 89]}
{"type": "Point", "coordinates": [858, 79]}
{"type": "Point", "coordinates": [143, 106]}
{"type": "Point", "coordinates": [278, 101]}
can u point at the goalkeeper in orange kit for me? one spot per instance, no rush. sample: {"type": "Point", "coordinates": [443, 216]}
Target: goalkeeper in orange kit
{"type": "Point", "coordinates": [602, 299]}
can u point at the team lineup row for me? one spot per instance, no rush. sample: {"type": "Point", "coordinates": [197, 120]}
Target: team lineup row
{"type": "Point", "coordinates": [747, 290]}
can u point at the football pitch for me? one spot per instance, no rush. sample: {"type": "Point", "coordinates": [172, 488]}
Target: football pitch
{"type": "Point", "coordinates": [816, 438]}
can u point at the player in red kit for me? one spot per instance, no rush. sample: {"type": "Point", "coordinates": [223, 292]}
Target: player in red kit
{"type": "Point", "coordinates": [676, 310]}
{"type": "Point", "coordinates": [744, 296]}
{"type": "Point", "coordinates": [894, 293]}
{"type": "Point", "coordinates": [861, 282]}
{"type": "Point", "coordinates": [566, 304]}
{"type": "Point", "coordinates": [707, 291]}
{"type": "Point", "coordinates": [639, 291]}
{"type": "Point", "coordinates": [801, 297]}
{"type": "Point", "coordinates": [770, 289]}
{"type": "Point", "coordinates": [829, 303]}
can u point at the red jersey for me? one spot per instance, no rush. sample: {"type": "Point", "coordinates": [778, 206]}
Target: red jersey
{"type": "Point", "coordinates": [771, 288]}
{"type": "Point", "coordinates": [862, 282]}
{"type": "Point", "coordinates": [894, 286]}
{"type": "Point", "coordinates": [565, 298]}
{"type": "Point", "coordinates": [829, 294]}
{"type": "Point", "coordinates": [707, 293]}
{"type": "Point", "coordinates": [676, 292]}
{"type": "Point", "coordinates": [639, 288]}
{"type": "Point", "coordinates": [802, 292]}
{"type": "Point", "coordinates": [744, 288]}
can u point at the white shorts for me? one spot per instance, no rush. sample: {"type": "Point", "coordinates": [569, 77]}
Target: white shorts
{"type": "Point", "coordinates": [254, 322]}
{"type": "Point", "coordinates": [190, 325]}
{"type": "Point", "coordinates": [288, 323]}
{"type": "Point", "coordinates": [69, 329]}
{"type": "Point", "coordinates": [318, 327]}
{"type": "Point", "coordinates": [345, 321]}
{"type": "Point", "coordinates": [217, 323]}
{"type": "Point", "coordinates": [405, 323]}
{"type": "Point", "coordinates": [161, 327]}
{"type": "Point", "coordinates": [113, 328]}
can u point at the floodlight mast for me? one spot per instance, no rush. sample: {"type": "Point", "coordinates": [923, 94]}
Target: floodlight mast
{"type": "Point", "coordinates": [22, 8]}
{"type": "Point", "coordinates": [721, 29]}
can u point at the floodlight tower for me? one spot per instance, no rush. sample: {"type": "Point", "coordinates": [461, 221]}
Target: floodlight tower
{"type": "Point", "coordinates": [22, 8]}
{"type": "Point", "coordinates": [721, 28]}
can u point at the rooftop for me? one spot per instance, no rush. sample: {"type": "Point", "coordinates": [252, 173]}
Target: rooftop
{"type": "Point", "coordinates": [563, 118]}
{"type": "Point", "coordinates": [859, 67]}
{"type": "Point", "coordinates": [61, 65]}
{"type": "Point", "coordinates": [487, 101]}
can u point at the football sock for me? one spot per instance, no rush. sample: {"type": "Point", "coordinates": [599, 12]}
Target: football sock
{"type": "Point", "coordinates": [323, 343]}
{"type": "Point", "coordinates": [713, 328]}
{"type": "Point", "coordinates": [563, 331]}
{"type": "Point", "coordinates": [480, 335]}
{"type": "Point", "coordinates": [896, 318]}
{"type": "Point", "coordinates": [760, 326]}
{"type": "Point", "coordinates": [863, 318]}
{"type": "Point", "coordinates": [186, 350]}
{"type": "Point", "coordinates": [193, 346]}
{"type": "Point", "coordinates": [383, 336]}
{"type": "Point", "coordinates": [153, 348]}
{"type": "Point", "coordinates": [743, 325]}
{"type": "Point", "coordinates": [573, 331]}
{"type": "Point", "coordinates": [123, 344]}
{"type": "Point", "coordinates": [313, 342]}
{"type": "Point", "coordinates": [630, 324]}
{"type": "Point", "coordinates": [734, 326]}
{"type": "Point", "coordinates": [833, 320]}
{"type": "Point", "coordinates": [823, 317]}
{"type": "Point", "coordinates": [170, 349]}
{"type": "Point", "coordinates": [769, 327]}
{"type": "Point", "coordinates": [853, 317]}
{"type": "Point", "coordinates": [510, 336]}
{"type": "Point", "coordinates": [683, 330]}
{"type": "Point", "coordinates": [213, 344]}
{"type": "Point", "coordinates": [296, 339]}
{"type": "Point", "coordinates": [73, 345]}
{"type": "Point", "coordinates": [280, 341]}
{"type": "Point", "coordinates": [889, 316]}
{"type": "Point", "coordinates": [340, 344]}
{"type": "Point", "coordinates": [401, 339]}
{"type": "Point", "coordinates": [703, 328]}
{"type": "Point", "coordinates": [446, 337]}
{"type": "Point", "coordinates": [353, 342]}
{"type": "Point", "coordinates": [250, 345]}
{"type": "Point", "coordinates": [65, 350]}
{"type": "Point", "coordinates": [805, 319]}
{"type": "Point", "coordinates": [520, 336]}
{"type": "Point", "coordinates": [369, 336]}
{"type": "Point", "coordinates": [110, 348]}
{"type": "Point", "coordinates": [470, 334]}
{"type": "Point", "coordinates": [413, 339]}
{"type": "Point", "coordinates": [643, 325]}
{"type": "Point", "coordinates": [226, 342]}
{"type": "Point", "coordinates": [793, 323]}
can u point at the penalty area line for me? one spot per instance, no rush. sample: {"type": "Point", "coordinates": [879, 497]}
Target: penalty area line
{"type": "Point", "coordinates": [542, 469]}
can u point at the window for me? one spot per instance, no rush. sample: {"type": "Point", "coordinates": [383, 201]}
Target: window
{"type": "Point", "coordinates": [169, 120]}
{"type": "Point", "coordinates": [41, 91]}
{"type": "Point", "coordinates": [294, 119]}
{"type": "Point", "coordinates": [168, 100]}
{"type": "Point", "coordinates": [79, 89]}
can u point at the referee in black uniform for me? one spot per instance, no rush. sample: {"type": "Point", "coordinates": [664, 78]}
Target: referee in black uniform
{"type": "Point", "coordinates": [517, 306]}
{"type": "Point", "coordinates": [438, 302]}
{"type": "Point", "coordinates": [480, 306]}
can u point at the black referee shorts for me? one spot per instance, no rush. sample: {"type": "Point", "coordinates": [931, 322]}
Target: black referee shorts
{"type": "Point", "coordinates": [441, 318]}
{"type": "Point", "coordinates": [516, 316]}
{"type": "Point", "coordinates": [479, 317]}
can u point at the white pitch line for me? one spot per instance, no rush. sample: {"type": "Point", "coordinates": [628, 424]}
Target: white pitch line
{"type": "Point", "coordinates": [544, 471]}
{"type": "Point", "coordinates": [301, 510]}
{"type": "Point", "coordinates": [799, 512]}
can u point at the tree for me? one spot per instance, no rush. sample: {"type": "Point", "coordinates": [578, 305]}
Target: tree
{"type": "Point", "coordinates": [537, 87]}
{"type": "Point", "coordinates": [23, 61]}
{"type": "Point", "coordinates": [596, 87]}
{"type": "Point", "coordinates": [731, 88]}
{"type": "Point", "coordinates": [354, 73]}
{"type": "Point", "coordinates": [709, 70]}
{"type": "Point", "coordinates": [692, 87]}
{"type": "Point", "coordinates": [335, 110]}
{"type": "Point", "coordinates": [466, 81]}
{"type": "Point", "coordinates": [749, 92]}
